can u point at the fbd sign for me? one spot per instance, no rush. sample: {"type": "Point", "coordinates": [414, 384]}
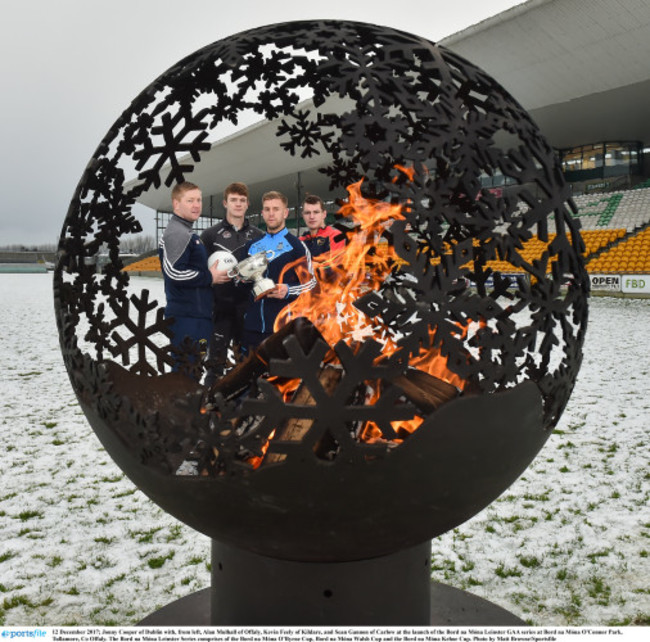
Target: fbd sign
{"type": "Point", "coordinates": [636, 283]}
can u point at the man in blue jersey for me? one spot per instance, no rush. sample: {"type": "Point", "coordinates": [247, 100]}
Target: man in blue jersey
{"type": "Point", "coordinates": [188, 280]}
{"type": "Point", "coordinates": [289, 267]}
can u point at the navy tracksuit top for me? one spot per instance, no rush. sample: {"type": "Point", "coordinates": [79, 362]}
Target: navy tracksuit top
{"type": "Point", "coordinates": [184, 262]}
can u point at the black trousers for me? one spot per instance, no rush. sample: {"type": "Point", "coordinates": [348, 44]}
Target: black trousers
{"type": "Point", "coordinates": [228, 324]}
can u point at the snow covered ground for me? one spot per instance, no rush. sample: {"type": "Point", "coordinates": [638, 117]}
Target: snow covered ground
{"type": "Point", "coordinates": [567, 544]}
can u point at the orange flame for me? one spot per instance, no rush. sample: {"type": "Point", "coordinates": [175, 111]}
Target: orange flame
{"type": "Point", "coordinates": [370, 431]}
{"type": "Point", "coordinates": [256, 461]}
{"type": "Point", "coordinates": [286, 387]}
{"type": "Point", "coordinates": [361, 267]}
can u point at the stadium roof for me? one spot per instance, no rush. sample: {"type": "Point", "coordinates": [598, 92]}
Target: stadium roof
{"type": "Point", "coordinates": [580, 67]}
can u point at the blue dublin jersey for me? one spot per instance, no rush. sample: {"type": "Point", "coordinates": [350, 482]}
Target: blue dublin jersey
{"type": "Point", "coordinates": [285, 253]}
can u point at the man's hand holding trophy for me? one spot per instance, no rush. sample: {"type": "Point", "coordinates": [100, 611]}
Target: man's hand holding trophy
{"type": "Point", "coordinates": [250, 269]}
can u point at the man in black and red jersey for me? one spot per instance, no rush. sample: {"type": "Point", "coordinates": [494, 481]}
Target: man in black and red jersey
{"type": "Point", "coordinates": [320, 238]}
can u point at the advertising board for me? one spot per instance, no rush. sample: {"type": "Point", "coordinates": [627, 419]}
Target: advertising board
{"type": "Point", "coordinates": [605, 282]}
{"type": "Point", "coordinates": [636, 283]}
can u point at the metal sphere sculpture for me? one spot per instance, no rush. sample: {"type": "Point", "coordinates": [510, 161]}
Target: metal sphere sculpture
{"type": "Point", "coordinates": [410, 129]}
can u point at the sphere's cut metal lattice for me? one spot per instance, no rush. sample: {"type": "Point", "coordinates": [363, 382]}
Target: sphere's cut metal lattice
{"type": "Point", "coordinates": [412, 125]}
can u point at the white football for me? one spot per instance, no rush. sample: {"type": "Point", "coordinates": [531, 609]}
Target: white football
{"type": "Point", "coordinates": [226, 260]}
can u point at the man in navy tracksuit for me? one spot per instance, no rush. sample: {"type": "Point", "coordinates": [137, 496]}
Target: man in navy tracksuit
{"type": "Point", "coordinates": [283, 250]}
{"type": "Point", "coordinates": [184, 262]}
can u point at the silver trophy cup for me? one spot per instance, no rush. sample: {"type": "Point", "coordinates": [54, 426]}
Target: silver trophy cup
{"type": "Point", "coordinates": [251, 269]}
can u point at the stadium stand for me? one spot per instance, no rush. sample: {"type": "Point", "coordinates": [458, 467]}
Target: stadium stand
{"type": "Point", "coordinates": [147, 264]}
{"type": "Point", "coordinates": [616, 230]}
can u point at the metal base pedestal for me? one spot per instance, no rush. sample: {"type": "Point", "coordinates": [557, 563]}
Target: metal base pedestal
{"type": "Point", "coordinates": [395, 590]}
{"type": "Point", "coordinates": [449, 607]}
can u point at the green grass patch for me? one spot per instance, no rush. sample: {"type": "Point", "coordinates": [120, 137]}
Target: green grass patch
{"type": "Point", "coordinates": [446, 566]}
{"type": "Point", "coordinates": [543, 497]}
{"type": "Point", "coordinates": [595, 556]}
{"type": "Point", "coordinates": [157, 562]}
{"type": "Point", "coordinates": [597, 589]}
{"type": "Point", "coordinates": [175, 532]}
{"type": "Point", "coordinates": [145, 537]}
{"type": "Point", "coordinates": [503, 572]}
{"type": "Point", "coordinates": [104, 540]}
{"type": "Point", "coordinates": [112, 479]}
{"type": "Point", "coordinates": [114, 580]}
{"type": "Point", "coordinates": [101, 562]}
{"type": "Point", "coordinates": [16, 600]}
{"type": "Point", "coordinates": [529, 561]}
{"type": "Point", "coordinates": [125, 493]}
{"type": "Point", "coordinates": [29, 514]}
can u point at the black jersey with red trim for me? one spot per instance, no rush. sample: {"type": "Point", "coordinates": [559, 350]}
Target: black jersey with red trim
{"type": "Point", "coordinates": [324, 241]}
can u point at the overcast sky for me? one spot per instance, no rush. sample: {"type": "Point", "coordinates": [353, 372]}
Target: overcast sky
{"type": "Point", "coordinates": [70, 67]}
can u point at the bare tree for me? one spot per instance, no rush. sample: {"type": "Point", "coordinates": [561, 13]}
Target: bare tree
{"type": "Point", "coordinates": [139, 244]}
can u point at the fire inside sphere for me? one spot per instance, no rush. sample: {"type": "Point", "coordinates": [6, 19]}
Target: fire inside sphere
{"type": "Point", "coordinates": [428, 368]}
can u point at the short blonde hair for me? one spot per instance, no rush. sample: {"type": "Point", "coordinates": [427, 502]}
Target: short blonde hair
{"type": "Point", "coordinates": [273, 195]}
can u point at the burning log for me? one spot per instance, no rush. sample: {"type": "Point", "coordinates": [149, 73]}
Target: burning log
{"type": "Point", "coordinates": [239, 379]}
{"type": "Point", "coordinates": [296, 429]}
{"type": "Point", "coordinates": [427, 392]}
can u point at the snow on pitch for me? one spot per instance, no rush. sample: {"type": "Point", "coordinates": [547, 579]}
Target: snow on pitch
{"type": "Point", "coordinates": [567, 544]}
